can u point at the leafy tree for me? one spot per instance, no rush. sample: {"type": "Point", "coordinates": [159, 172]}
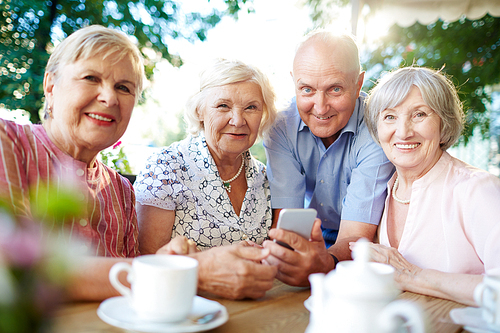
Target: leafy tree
{"type": "Point", "coordinates": [321, 10]}
{"type": "Point", "coordinates": [29, 27]}
{"type": "Point", "coordinates": [467, 50]}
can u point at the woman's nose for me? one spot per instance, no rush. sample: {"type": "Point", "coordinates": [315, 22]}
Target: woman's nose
{"type": "Point", "coordinates": [108, 96]}
{"type": "Point", "coordinates": [404, 128]}
{"type": "Point", "coordinates": [237, 118]}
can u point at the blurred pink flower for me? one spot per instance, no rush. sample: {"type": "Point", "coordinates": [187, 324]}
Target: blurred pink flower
{"type": "Point", "coordinates": [116, 145]}
{"type": "Point", "coordinates": [23, 247]}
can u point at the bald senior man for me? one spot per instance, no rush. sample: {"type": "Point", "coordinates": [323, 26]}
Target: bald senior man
{"type": "Point", "coordinates": [320, 155]}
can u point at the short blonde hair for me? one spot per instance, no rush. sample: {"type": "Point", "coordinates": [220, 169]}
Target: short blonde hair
{"type": "Point", "coordinates": [223, 72]}
{"type": "Point", "coordinates": [438, 92]}
{"type": "Point", "coordinates": [97, 40]}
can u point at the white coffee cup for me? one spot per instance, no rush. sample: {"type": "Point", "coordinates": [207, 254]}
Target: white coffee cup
{"type": "Point", "coordinates": [162, 286]}
{"type": "Point", "coordinates": [487, 296]}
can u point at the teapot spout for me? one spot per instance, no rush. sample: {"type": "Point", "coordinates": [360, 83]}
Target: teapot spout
{"type": "Point", "coordinates": [317, 289]}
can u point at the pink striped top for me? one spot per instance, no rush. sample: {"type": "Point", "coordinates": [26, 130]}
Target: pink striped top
{"type": "Point", "coordinates": [29, 159]}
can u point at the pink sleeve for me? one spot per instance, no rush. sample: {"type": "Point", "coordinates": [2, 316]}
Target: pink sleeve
{"type": "Point", "coordinates": [484, 220]}
{"type": "Point", "coordinates": [13, 169]}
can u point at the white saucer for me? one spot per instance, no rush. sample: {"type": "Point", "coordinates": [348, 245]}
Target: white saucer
{"type": "Point", "coordinates": [472, 320]}
{"type": "Point", "coordinates": [116, 311]}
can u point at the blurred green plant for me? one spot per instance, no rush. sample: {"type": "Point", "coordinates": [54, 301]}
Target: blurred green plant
{"type": "Point", "coordinates": [36, 260]}
{"type": "Point", "coordinates": [58, 205]}
{"type": "Point", "coordinates": [258, 151]}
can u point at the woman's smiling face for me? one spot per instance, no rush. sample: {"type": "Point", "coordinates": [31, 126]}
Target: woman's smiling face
{"type": "Point", "coordinates": [410, 134]}
{"type": "Point", "coordinates": [91, 103]}
{"type": "Point", "coordinates": [231, 118]}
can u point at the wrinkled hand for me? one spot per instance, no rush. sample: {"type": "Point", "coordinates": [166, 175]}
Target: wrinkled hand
{"type": "Point", "coordinates": [404, 272]}
{"type": "Point", "coordinates": [310, 256]}
{"type": "Point", "coordinates": [179, 245]}
{"type": "Point", "coordinates": [235, 271]}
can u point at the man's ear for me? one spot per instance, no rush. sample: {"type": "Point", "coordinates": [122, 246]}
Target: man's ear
{"type": "Point", "coordinates": [48, 87]}
{"type": "Point", "coordinates": [361, 79]}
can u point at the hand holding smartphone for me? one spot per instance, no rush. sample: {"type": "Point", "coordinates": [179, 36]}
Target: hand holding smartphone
{"type": "Point", "coordinates": [298, 220]}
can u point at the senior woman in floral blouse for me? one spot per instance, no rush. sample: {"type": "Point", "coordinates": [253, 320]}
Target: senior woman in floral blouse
{"type": "Point", "coordinates": [92, 81]}
{"type": "Point", "coordinates": [440, 228]}
{"type": "Point", "coordinates": [208, 187]}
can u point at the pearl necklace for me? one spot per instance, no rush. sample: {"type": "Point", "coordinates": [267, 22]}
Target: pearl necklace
{"type": "Point", "coordinates": [226, 183]}
{"type": "Point", "coordinates": [394, 188]}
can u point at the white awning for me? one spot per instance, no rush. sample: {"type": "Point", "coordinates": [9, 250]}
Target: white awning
{"type": "Point", "coordinates": [406, 12]}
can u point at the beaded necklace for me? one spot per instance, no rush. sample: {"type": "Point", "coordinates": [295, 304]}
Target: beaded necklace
{"type": "Point", "coordinates": [394, 188]}
{"type": "Point", "coordinates": [227, 183]}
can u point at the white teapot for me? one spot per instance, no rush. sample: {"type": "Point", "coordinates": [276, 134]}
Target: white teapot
{"type": "Point", "coordinates": [358, 297]}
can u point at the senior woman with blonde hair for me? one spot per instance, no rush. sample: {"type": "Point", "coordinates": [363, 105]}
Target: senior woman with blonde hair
{"type": "Point", "coordinates": [92, 81]}
{"type": "Point", "coordinates": [440, 226]}
{"type": "Point", "coordinates": [208, 188]}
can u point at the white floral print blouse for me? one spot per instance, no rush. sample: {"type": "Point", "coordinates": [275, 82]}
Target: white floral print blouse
{"type": "Point", "coordinates": [183, 177]}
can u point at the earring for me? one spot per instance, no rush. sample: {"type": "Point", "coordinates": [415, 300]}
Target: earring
{"type": "Point", "coordinates": [49, 111]}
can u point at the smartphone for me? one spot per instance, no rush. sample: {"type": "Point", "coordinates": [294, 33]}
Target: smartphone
{"type": "Point", "coordinates": [298, 220]}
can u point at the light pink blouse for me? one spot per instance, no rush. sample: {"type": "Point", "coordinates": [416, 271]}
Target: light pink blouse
{"type": "Point", "coordinates": [453, 222]}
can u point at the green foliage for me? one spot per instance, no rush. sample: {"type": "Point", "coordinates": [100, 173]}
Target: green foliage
{"type": "Point", "coordinates": [28, 27]}
{"type": "Point", "coordinates": [466, 50]}
{"type": "Point", "coordinates": [116, 159]}
{"type": "Point", "coordinates": [169, 136]}
{"type": "Point", "coordinates": [321, 14]}
{"type": "Point", "coordinates": [258, 151]}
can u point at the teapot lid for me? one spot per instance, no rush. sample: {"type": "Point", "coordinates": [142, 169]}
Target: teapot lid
{"type": "Point", "coordinates": [362, 277]}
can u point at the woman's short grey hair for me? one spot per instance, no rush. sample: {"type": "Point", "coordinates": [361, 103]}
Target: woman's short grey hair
{"type": "Point", "coordinates": [437, 90]}
{"type": "Point", "coordinates": [223, 72]}
{"type": "Point", "coordinates": [95, 40]}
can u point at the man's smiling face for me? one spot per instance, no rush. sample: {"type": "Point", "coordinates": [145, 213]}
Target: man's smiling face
{"type": "Point", "coordinates": [326, 89]}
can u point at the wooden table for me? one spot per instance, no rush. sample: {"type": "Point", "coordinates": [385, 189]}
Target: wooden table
{"type": "Point", "coordinates": [281, 310]}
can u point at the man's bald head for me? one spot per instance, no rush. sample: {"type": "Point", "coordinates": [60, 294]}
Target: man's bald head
{"type": "Point", "coordinates": [323, 48]}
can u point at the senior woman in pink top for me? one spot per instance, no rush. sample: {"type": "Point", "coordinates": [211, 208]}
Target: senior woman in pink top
{"type": "Point", "coordinates": [440, 228]}
{"type": "Point", "coordinates": [92, 81]}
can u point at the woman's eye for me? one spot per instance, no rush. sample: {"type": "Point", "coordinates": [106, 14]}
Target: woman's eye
{"type": "Point", "coordinates": [90, 78]}
{"type": "Point", "coordinates": [222, 106]}
{"type": "Point", "coordinates": [124, 88]}
{"type": "Point", "coordinates": [389, 117]}
{"type": "Point", "coordinates": [252, 107]}
{"type": "Point", "coordinates": [419, 116]}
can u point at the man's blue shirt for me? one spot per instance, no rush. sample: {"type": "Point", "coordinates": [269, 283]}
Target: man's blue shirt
{"type": "Point", "coordinates": [347, 181]}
